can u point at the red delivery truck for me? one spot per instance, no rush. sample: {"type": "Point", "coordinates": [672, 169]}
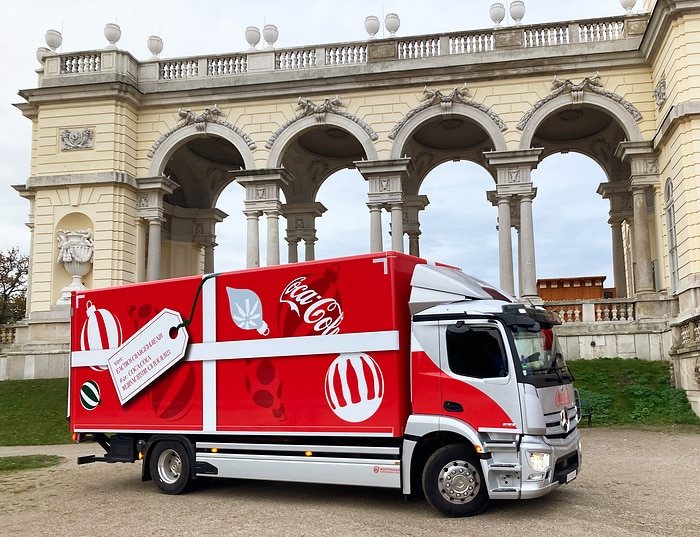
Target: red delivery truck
{"type": "Point", "coordinates": [378, 370]}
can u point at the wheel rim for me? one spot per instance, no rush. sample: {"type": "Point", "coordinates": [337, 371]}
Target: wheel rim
{"type": "Point", "coordinates": [169, 466]}
{"type": "Point", "coordinates": [459, 482]}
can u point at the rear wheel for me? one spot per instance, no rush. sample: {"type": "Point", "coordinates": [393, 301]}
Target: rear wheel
{"type": "Point", "coordinates": [453, 482]}
{"type": "Point", "coordinates": [170, 467]}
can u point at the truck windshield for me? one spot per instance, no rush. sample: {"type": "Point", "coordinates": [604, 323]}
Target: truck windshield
{"type": "Point", "coordinates": [539, 352]}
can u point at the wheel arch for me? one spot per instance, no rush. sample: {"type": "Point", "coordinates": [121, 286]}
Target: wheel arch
{"type": "Point", "coordinates": [151, 443]}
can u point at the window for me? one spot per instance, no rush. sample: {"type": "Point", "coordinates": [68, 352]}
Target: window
{"type": "Point", "coordinates": [475, 351]}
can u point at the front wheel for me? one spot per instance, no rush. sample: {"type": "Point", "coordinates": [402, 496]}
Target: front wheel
{"type": "Point", "coordinates": [170, 467]}
{"type": "Point", "coordinates": [453, 482]}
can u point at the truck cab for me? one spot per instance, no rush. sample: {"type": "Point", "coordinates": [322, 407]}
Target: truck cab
{"type": "Point", "coordinates": [488, 381]}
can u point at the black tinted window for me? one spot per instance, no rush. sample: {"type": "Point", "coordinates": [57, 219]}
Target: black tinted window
{"type": "Point", "coordinates": [475, 351]}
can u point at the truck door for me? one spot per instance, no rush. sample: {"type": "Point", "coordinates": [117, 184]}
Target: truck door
{"type": "Point", "coordinates": [478, 381]}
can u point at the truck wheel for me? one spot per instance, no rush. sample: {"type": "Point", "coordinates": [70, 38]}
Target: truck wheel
{"type": "Point", "coordinates": [170, 467]}
{"type": "Point", "coordinates": [453, 482]}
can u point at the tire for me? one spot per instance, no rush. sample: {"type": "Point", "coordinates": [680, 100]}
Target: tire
{"type": "Point", "coordinates": [453, 482]}
{"type": "Point", "coordinates": [170, 467]}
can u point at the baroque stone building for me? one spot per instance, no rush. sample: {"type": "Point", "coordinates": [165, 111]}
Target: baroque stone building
{"type": "Point", "coordinates": [138, 152]}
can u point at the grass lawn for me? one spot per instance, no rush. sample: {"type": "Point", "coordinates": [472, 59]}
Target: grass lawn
{"type": "Point", "coordinates": [625, 393]}
{"type": "Point", "coordinates": [33, 412]}
{"type": "Point", "coordinates": [632, 393]}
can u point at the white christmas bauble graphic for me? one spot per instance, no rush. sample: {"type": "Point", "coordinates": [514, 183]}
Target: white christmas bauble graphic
{"type": "Point", "coordinates": [100, 331]}
{"type": "Point", "coordinates": [354, 387]}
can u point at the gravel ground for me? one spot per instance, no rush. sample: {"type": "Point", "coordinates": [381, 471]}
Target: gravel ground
{"type": "Point", "coordinates": [633, 483]}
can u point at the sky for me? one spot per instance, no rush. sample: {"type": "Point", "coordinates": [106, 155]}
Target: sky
{"type": "Point", "coordinates": [568, 243]}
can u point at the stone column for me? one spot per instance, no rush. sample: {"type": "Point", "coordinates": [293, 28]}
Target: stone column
{"type": "Point", "coordinates": [150, 207]}
{"type": "Point", "coordinates": [273, 237]}
{"type": "Point", "coordinates": [618, 251]}
{"type": "Point", "coordinates": [644, 276]}
{"type": "Point", "coordinates": [527, 248]}
{"type": "Point", "coordinates": [412, 206]}
{"type": "Point", "coordinates": [263, 195]}
{"type": "Point", "coordinates": [375, 227]}
{"type": "Point", "coordinates": [620, 211]}
{"type": "Point", "coordinates": [293, 249]}
{"type": "Point", "coordinates": [513, 170]}
{"type": "Point", "coordinates": [644, 174]}
{"type": "Point", "coordinates": [505, 246]}
{"type": "Point", "coordinates": [252, 252]}
{"type": "Point", "coordinates": [385, 178]}
{"type": "Point", "coordinates": [397, 227]}
{"type": "Point", "coordinates": [301, 225]}
{"type": "Point", "coordinates": [155, 227]}
{"type": "Point", "coordinates": [205, 234]}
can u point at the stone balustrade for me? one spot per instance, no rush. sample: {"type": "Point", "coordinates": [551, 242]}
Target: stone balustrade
{"type": "Point", "coordinates": [417, 48]}
{"type": "Point", "coordinates": [7, 336]}
{"type": "Point", "coordinates": [594, 311]}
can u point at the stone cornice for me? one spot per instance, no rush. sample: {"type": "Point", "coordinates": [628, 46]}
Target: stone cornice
{"type": "Point", "coordinates": [665, 12]}
{"type": "Point", "coordinates": [120, 91]}
{"type": "Point", "coordinates": [675, 115]}
{"type": "Point", "coordinates": [93, 178]}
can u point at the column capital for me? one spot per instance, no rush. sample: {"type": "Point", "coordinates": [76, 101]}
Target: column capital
{"type": "Point", "coordinates": [517, 158]}
{"type": "Point", "coordinates": [385, 178]}
{"type": "Point", "coordinates": [262, 187]}
{"type": "Point", "coordinates": [150, 193]}
{"type": "Point", "coordinates": [644, 164]}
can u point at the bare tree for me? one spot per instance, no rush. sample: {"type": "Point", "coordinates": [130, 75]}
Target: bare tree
{"type": "Point", "coordinates": [14, 268]}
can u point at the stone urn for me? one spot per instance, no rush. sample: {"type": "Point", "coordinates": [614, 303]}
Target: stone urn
{"type": "Point", "coordinates": [112, 34]}
{"type": "Point", "coordinates": [392, 23]}
{"type": "Point", "coordinates": [628, 5]}
{"type": "Point", "coordinates": [270, 34]}
{"type": "Point", "coordinates": [75, 250]}
{"type": "Point", "coordinates": [497, 12]}
{"type": "Point", "coordinates": [252, 36]}
{"type": "Point", "coordinates": [517, 10]}
{"type": "Point", "coordinates": [372, 26]}
{"type": "Point", "coordinates": [155, 46]}
{"type": "Point", "coordinates": [53, 39]}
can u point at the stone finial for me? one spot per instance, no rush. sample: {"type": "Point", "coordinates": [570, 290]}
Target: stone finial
{"type": "Point", "coordinates": [53, 39]}
{"type": "Point", "coordinates": [112, 34]}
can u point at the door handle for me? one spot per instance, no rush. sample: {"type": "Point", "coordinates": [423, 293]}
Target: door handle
{"type": "Point", "coordinates": [452, 406]}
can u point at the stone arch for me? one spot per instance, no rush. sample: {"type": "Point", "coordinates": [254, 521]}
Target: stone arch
{"type": "Point", "coordinates": [167, 146]}
{"type": "Point", "coordinates": [289, 134]}
{"type": "Point", "coordinates": [481, 118]}
{"type": "Point", "coordinates": [539, 113]}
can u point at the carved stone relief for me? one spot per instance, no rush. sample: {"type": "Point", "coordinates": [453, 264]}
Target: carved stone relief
{"type": "Point", "coordinates": [200, 121]}
{"type": "Point", "coordinates": [307, 108]}
{"type": "Point", "coordinates": [592, 84]}
{"type": "Point", "coordinates": [437, 98]}
{"type": "Point", "coordinates": [77, 139]}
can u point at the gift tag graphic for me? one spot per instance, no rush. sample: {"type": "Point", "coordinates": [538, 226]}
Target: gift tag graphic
{"type": "Point", "coordinates": [147, 354]}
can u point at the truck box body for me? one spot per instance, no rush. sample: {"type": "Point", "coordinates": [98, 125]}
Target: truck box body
{"type": "Point", "coordinates": [377, 370]}
{"type": "Point", "coordinates": [263, 352]}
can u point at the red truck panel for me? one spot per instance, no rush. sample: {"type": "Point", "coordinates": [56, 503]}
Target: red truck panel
{"type": "Point", "coordinates": [309, 347]}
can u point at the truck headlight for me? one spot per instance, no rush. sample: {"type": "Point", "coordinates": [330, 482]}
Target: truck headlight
{"type": "Point", "coordinates": [539, 461]}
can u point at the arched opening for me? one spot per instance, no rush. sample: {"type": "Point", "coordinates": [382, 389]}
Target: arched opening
{"type": "Point", "coordinates": [572, 234]}
{"type": "Point", "coordinates": [459, 225]}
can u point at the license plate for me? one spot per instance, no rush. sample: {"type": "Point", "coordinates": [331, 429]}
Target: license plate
{"type": "Point", "coordinates": [571, 476]}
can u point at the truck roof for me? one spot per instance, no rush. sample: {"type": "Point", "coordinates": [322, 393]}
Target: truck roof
{"type": "Point", "coordinates": [432, 285]}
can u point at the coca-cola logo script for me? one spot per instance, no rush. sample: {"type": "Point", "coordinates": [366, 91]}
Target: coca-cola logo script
{"type": "Point", "coordinates": [309, 306]}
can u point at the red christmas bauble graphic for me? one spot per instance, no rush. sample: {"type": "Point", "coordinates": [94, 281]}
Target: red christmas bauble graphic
{"type": "Point", "coordinates": [172, 395]}
{"type": "Point", "coordinates": [310, 305]}
{"type": "Point", "coordinates": [101, 330]}
{"type": "Point", "coordinates": [354, 387]}
{"type": "Point", "coordinates": [263, 383]}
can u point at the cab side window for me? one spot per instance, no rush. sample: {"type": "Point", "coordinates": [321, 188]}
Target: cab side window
{"type": "Point", "coordinates": [475, 351]}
